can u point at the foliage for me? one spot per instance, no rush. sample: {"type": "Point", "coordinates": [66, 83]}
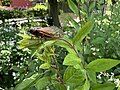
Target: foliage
{"type": "Point", "coordinates": [15, 64]}
{"type": "Point", "coordinates": [78, 69]}
{"type": "Point", "coordinates": [39, 10]}
{"type": "Point", "coordinates": [74, 61]}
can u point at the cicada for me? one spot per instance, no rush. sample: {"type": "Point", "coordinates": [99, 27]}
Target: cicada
{"type": "Point", "coordinates": [47, 32]}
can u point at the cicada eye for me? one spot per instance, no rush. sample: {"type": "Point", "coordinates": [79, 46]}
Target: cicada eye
{"type": "Point", "coordinates": [33, 30]}
{"type": "Point", "coordinates": [30, 31]}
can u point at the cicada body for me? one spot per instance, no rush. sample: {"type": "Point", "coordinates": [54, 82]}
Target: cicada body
{"type": "Point", "coordinates": [46, 32]}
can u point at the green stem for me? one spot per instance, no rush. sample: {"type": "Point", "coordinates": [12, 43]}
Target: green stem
{"type": "Point", "coordinates": [73, 47]}
{"type": "Point", "coordinates": [57, 70]}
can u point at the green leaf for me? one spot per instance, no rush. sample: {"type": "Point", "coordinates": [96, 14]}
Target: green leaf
{"type": "Point", "coordinates": [91, 7]}
{"type": "Point", "coordinates": [59, 86]}
{"type": "Point", "coordinates": [45, 66]}
{"type": "Point", "coordinates": [47, 43]}
{"type": "Point", "coordinates": [65, 45]}
{"type": "Point", "coordinates": [100, 65]}
{"type": "Point", "coordinates": [74, 23]}
{"type": "Point", "coordinates": [21, 70]}
{"type": "Point", "coordinates": [40, 56]}
{"type": "Point", "coordinates": [73, 7]}
{"type": "Point", "coordinates": [71, 76]}
{"type": "Point", "coordinates": [86, 86]}
{"type": "Point", "coordinates": [42, 83]}
{"type": "Point", "coordinates": [26, 83]}
{"type": "Point", "coordinates": [71, 60]}
{"type": "Point", "coordinates": [78, 66]}
{"type": "Point", "coordinates": [84, 31]}
{"type": "Point", "coordinates": [98, 40]}
{"type": "Point", "coordinates": [92, 75]}
{"type": "Point", "coordinates": [105, 86]}
{"type": "Point", "coordinates": [29, 43]}
{"type": "Point", "coordinates": [25, 36]}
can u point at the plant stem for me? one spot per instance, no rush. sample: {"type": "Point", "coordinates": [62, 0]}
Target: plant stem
{"type": "Point", "coordinates": [73, 47]}
{"type": "Point", "coordinates": [57, 69]}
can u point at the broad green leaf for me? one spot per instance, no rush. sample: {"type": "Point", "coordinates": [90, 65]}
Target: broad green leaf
{"type": "Point", "coordinates": [78, 66]}
{"type": "Point", "coordinates": [68, 73]}
{"type": "Point", "coordinates": [105, 86]}
{"type": "Point", "coordinates": [47, 43]}
{"type": "Point", "coordinates": [45, 66]}
{"type": "Point", "coordinates": [26, 83]}
{"type": "Point", "coordinates": [71, 60]}
{"type": "Point", "coordinates": [29, 43]}
{"type": "Point", "coordinates": [84, 31]}
{"type": "Point", "coordinates": [92, 75]}
{"type": "Point", "coordinates": [59, 86]}
{"type": "Point", "coordinates": [73, 7]}
{"type": "Point", "coordinates": [71, 76]}
{"type": "Point", "coordinates": [100, 65]}
{"type": "Point", "coordinates": [42, 83]}
{"type": "Point", "coordinates": [86, 86]}
{"type": "Point", "coordinates": [65, 45]}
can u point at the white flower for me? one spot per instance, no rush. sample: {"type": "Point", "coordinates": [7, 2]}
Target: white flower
{"type": "Point", "coordinates": [117, 82]}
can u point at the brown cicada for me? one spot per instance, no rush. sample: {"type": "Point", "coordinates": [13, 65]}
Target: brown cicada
{"type": "Point", "coordinates": [46, 32]}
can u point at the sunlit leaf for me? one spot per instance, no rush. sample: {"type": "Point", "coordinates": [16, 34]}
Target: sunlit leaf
{"type": "Point", "coordinates": [42, 83]}
{"type": "Point", "coordinates": [71, 76]}
{"type": "Point", "coordinates": [85, 86]}
{"type": "Point", "coordinates": [47, 43]}
{"type": "Point", "coordinates": [105, 86]}
{"type": "Point", "coordinates": [25, 84]}
{"type": "Point", "coordinates": [45, 66]}
{"type": "Point", "coordinates": [65, 45]}
{"type": "Point", "coordinates": [73, 7]}
{"type": "Point", "coordinates": [84, 31]}
{"type": "Point", "coordinates": [100, 65]}
{"type": "Point", "coordinates": [92, 75]}
{"type": "Point", "coordinates": [71, 60]}
{"type": "Point", "coordinates": [59, 86]}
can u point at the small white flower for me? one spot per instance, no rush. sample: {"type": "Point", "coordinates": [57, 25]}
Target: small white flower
{"type": "Point", "coordinates": [117, 82]}
{"type": "Point", "coordinates": [77, 19]}
{"type": "Point", "coordinates": [68, 87]}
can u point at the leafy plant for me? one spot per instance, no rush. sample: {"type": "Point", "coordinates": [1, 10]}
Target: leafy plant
{"type": "Point", "coordinates": [68, 62]}
{"type": "Point", "coordinates": [78, 70]}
